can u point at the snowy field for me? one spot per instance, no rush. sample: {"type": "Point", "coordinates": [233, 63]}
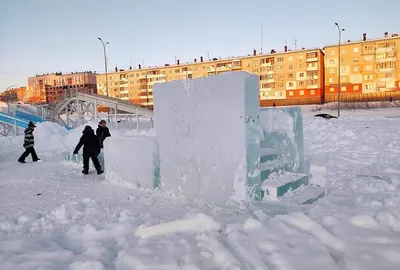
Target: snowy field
{"type": "Point", "coordinates": [52, 217]}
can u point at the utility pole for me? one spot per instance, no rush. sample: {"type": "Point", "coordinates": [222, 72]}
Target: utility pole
{"type": "Point", "coordinates": [339, 65]}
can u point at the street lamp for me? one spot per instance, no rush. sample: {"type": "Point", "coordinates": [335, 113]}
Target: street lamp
{"type": "Point", "coordinates": [105, 62]}
{"type": "Point", "coordinates": [339, 88]}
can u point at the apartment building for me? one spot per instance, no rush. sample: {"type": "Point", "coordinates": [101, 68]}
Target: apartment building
{"type": "Point", "coordinates": [51, 87]}
{"type": "Point", "coordinates": [370, 69]}
{"type": "Point", "coordinates": [286, 78]}
{"type": "Point", "coordinates": [14, 94]}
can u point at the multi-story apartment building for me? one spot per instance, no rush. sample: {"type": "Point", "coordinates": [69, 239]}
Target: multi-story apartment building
{"type": "Point", "coordinates": [370, 69]}
{"type": "Point", "coordinates": [14, 94]}
{"type": "Point", "coordinates": [286, 78]}
{"type": "Point", "coordinates": [50, 87]}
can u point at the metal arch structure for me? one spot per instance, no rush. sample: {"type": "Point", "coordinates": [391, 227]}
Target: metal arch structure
{"type": "Point", "coordinates": [79, 108]}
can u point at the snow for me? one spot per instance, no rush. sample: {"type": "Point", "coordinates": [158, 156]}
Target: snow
{"type": "Point", "coordinates": [52, 217]}
{"type": "Point", "coordinates": [196, 162]}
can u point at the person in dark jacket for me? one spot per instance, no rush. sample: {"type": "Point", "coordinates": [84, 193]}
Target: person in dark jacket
{"type": "Point", "coordinates": [102, 132]}
{"type": "Point", "coordinates": [91, 149]}
{"type": "Point", "coordinates": [29, 143]}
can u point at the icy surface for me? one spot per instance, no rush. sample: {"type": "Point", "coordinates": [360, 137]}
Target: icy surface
{"type": "Point", "coordinates": [208, 136]}
{"type": "Point", "coordinates": [132, 160]}
{"type": "Point", "coordinates": [52, 217]}
{"type": "Point", "coordinates": [283, 130]}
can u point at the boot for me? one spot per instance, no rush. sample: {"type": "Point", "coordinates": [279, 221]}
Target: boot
{"type": "Point", "coordinates": [85, 172]}
{"type": "Point", "coordinates": [21, 161]}
{"type": "Point", "coordinates": [99, 171]}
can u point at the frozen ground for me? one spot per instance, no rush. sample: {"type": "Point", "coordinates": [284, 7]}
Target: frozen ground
{"type": "Point", "coordinates": [51, 217]}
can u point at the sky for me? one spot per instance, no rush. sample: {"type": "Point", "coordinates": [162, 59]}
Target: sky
{"type": "Point", "coordinates": [45, 36]}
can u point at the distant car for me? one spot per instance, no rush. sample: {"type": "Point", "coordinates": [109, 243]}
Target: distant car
{"type": "Point", "coordinates": [325, 115]}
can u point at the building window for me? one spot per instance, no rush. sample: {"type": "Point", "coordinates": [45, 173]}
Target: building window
{"type": "Point", "coordinates": [356, 68]}
{"type": "Point", "coordinates": [343, 51]}
{"type": "Point", "coordinates": [355, 50]}
{"type": "Point", "coordinates": [290, 75]}
{"type": "Point", "coordinates": [281, 85]}
{"type": "Point", "coordinates": [355, 88]}
{"type": "Point", "coordinates": [301, 74]}
{"type": "Point", "coordinates": [291, 93]}
{"type": "Point", "coordinates": [343, 88]}
{"type": "Point", "coordinates": [290, 58]}
{"type": "Point", "coordinates": [331, 80]}
{"type": "Point", "coordinates": [290, 66]}
{"type": "Point", "coordinates": [301, 92]}
{"type": "Point", "coordinates": [280, 67]}
{"type": "Point", "coordinates": [331, 61]}
{"type": "Point", "coordinates": [331, 89]}
{"type": "Point", "coordinates": [332, 71]}
{"type": "Point", "coordinates": [368, 77]}
{"type": "Point", "coordinates": [301, 66]}
{"type": "Point", "coordinates": [368, 68]}
{"type": "Point", "coordinates": [332, 52]}
{"type": "Point", "coordinates": [279, 59]}
{"type": "Point", "coordinates": [312, 92]}
{"type": "Point", "coordinates": [355, 60]}
{"type": "Point", "coordinates": [290, 84]}
{"type": "Point", "coordinates": [301, 83]}
{"type": "Point", "coordinates": [368, 86]}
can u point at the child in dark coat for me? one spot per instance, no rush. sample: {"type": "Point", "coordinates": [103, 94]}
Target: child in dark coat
{"type": "Point", "coordinates": [102, 132]}
{"type": "Point", "coordinates": [29, 143]}
{"type": "Point", "coordinates": [91, 149]}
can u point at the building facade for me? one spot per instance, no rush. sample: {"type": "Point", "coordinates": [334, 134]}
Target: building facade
{"type": "Point", "coordinates": [370, 69]}
{"type": "Point", "coordinates": [14, 94]}
{"type": "Point", "coordinates": [48, 88]}
{"type": "Point", "coordinates": [286, 78]}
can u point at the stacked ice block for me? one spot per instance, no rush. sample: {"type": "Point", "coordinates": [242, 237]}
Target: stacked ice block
{"type": "Point", "coordinates": [208, 135]}
{"type": "Point", "coordinates": [132, 160]}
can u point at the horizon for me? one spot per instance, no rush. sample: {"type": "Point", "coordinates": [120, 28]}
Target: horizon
{"type": "Point", "coordinates": [64, 45]}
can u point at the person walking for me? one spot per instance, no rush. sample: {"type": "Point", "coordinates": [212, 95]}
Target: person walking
{"type": "Point", "coordinates": [29, 143]}
{"type": "Point", "coordinates": [102, 132]}
{"type": "Point", "coordinates": [91, 149]}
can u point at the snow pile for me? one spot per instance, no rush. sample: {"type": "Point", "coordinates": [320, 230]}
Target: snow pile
{"type": "Point", "coordinates": [52, 217]}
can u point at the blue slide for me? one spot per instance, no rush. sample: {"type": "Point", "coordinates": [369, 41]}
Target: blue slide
{"type": "Point", "coordinates": [5, 118]}
{"type": "Point", "coordinates": [30, 117]}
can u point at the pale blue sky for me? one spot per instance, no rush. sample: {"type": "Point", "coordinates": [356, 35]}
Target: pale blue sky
{"type": "Point", "coordinates": [44, 36]}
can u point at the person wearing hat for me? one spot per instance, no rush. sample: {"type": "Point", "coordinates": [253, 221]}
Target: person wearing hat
{"type": "Point", "coordinates": [102, 132]}
{"type": "Point", "coordinates": [91, 149]}
{"type": "Point", "coordinates": [29, 143]}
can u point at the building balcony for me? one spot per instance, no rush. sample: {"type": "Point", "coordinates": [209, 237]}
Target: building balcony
{"type": "Point", "coordinates": [313, 59]}
{"type": "Point", "coordinates": [222, 69]}
{"type": "Point", "coordinates": [269, 80]}
{"type": "Point", "coordinates": [383, 50]}
{"type": "Point", "coordinates": [124, 98]}
{"type": "Point", "coordinates": [384, 60]}
{"type": "Point", "coordinates": [267, 64]}
{"type": "Point", "coordinates": [311, 68]}
{"type": "Point", "coordinates": [313, 86]}
{"type": "Point", "coordinates": [270, 72]}
{"type": "Point", "coordinates": [124, 92]}
{"type": "Point", "coordinates": [385, 70]}
{"type": "Point", "coordinates": [236, 67]}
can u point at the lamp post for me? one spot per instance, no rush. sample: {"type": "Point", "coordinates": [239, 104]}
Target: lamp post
{"type": "Point", "coordinates": [105, 62]}
{"type": "Point", "coordinates": [339, 88]}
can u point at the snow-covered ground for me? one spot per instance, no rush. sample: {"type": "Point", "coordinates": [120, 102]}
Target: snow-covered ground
{"type": "Point", "coordinates": [52, 217]}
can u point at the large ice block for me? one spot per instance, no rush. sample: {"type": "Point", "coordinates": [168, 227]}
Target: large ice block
{"type": "Point", "coordinates": [283, 131]}
{"type": "Point", "coordinates": [208, 134]}
{"type": "Point", "coordinates": [132, 160]}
